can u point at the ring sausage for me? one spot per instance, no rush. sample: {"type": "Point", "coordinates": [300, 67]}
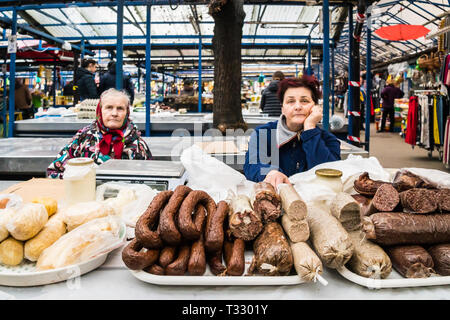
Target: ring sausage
{"type": "Point", "coordinates": [214, 232]}
{"type": "Point", "coordinates": [234, 257]}
{"type": "Point", "coordinates": [187, 227]}
{"type": "Point", "coordinates": [167, 256]}
{"type": "Point", "coordinates": [179, 266]}
{"type": "Point", "coordinates": [215, 263]}
{"type": "Point", "coordinates": [155, 269]}
{"type": "Point", "coordinates": [168, 228]}
{"type": "Point", "coordinates": [135, 259]}
{"type": "Point", "coordinates": [197, 259]}
{"type": "Point", "coordinates": [148, 238]}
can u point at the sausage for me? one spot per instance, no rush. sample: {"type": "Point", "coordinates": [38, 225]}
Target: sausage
{"type": "Point", "coordinates": [243, 222]}
{"type": "Point", "coordinates": [346, 210]}
{"type": "Point", "coordinates": [215, 263]}
{"type": "Point", "coordinates": [143, 231]}
{"type": "Point", "coordinates": [155, 269]}
{"type": "Point", "coordinates": [443, 197]}
{"type": "Point", "coordinates": [364, 204]}
{"type": "Point", "coordinates": [306, 262]}
{"type": "Point", "coordinates": [136, 257]}
{"type": "Point", "coordinates": [441, 258]}
{"type": "Point", "coordinates": [368, 260]}
{"type": "Point", "coordinates": [169, 231]}
{"type": "Point", "coordinates": [293, 205]}
{"type": "Point", "coordinates": [185, 224]}
{"type": "Point", "coordinates": [266, 202]}
{"type": "Point", "coordinates": [411, 261]}
{"type": "Point", "coordinates": [366, 186]}
{"type": "Point", "coordinates": [297, 231]}
{"type": "Point", "coordinates": [179, 266]}
{"type": "Point", "coordinates": [385, 199]}
{"type": "Point", "coordinates": [199, 217]}
{"type": "Point", "coordinates": [419, 200]}
{"type": "Point", "coordinates": [272, 252]}
{"type": "Point", "coordinates": [393, 228]}
{"type": "Point", "coordinates": [234, 257]}
{"type": "Point", "coordinates": [167, 256]}
{"type": "Point", "coordinates": [214, 231]}
{"type": "Point", "coordinates": [405, 180]}
{"type": "Point", "coordinates": [197, 259]}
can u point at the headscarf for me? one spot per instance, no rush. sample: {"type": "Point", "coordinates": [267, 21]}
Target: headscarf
{"type": "Point", "coordinates": [111, 138]}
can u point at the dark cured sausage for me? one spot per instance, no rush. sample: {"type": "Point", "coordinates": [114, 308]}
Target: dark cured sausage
{"type": "Point", "coordinates": [143, 231]}
{"type": "Point", "coordinates": [167, 255]}
{"type": "Point", "coordinates": [187, 227]}
{"type": "Point", "coordinates": [441, 258]}
{"type": "Point", "coordinates": [179, 266]}
{"type": "Point", "coordinates": [215, 263]}
{"type": "Point", "coordinates": [366, 186]}
{"type": "Point", "coordinates": [411, 261]}
{"type": "Point", "coordinates": [385, 199]}
{"type": "Point", "coordinates": [234, 257]}
{"type": "Point", "coordinates": [419, 200]}
{"type": "Point", "coordinates": [214, 231]}
{"type": "Point", "coordinates": [135, 259]}
{"type": "Point", "coordinates": [197, 259]}
{"type": "Point", "coordinates": [168, 229]}
{"type": "Point", "coordinates": [155, 269]}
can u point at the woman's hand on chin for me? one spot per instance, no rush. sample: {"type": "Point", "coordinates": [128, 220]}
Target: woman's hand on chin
{"type": "Point", "coordinates": [313, 119]}
{"type": "Point", "coordinates": [275, 177]}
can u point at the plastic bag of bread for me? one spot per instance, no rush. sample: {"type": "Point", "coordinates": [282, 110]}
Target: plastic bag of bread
{"type": "Point", "coordinates": [125, 196]}
{"type": "Point", "coordinates": [51, 205]}
{"type": "Point", "coordinates": [11, 252]}
{"type": "Point", "coordinates": [9, 200]}
{"type": "Point", "coordinates": [5, 216]}
{"type": "Point", "coordinates": [82, 212]}
{"type": "Point", "coordinates": [329, 238]}
{"type": "Point", "coordinates": [27, 221]}
{"type": "Point", "coordinates": [83, 243]}
{"type": "Point", "coordinates": [51, 232]}
{"type": "Point", "coordinates": [368, 260]}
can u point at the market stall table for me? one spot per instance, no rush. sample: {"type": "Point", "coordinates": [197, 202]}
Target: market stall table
{"type": "Point", "coordinates": [25, 156]}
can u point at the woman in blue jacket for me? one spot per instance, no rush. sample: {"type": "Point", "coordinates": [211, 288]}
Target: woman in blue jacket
{"type": "Point", "coordinates": [293, 143]}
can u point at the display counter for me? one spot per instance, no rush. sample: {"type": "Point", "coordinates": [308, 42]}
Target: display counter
{"type": "Point", "coordinates": [29, 156]}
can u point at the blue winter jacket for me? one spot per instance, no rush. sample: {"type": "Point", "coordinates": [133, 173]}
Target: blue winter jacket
{"type": "Point", "coordinates": [287, 153]}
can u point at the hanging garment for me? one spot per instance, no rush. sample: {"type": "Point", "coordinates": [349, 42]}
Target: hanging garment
{"type": "Point", "coordinates": [446, 147]}
{"type": "Point", "coordinates": [430, 123]}
{"type": "Point", "coordinates": [436, 134]}
{"type": "Point", "coordinates": [425, 130]}
{"type": "Point", "coordinates": [411, 126]}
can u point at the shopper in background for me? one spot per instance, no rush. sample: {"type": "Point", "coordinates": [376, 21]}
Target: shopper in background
{"type": "Point", "coordinates": [188, 88]}
{"type": "Point", "coordinates": [108, 80]}
{"type": "Point", "coordinates": [84, 79]}
{"type": "Point", "coordinates": [22, 98]}
{"type": "Point", "coordinates": [111, 136]}
{"type": "Point", "coordinates": [293, 143]}
{"type": "Point", "coordinates": [269, 99]}
{"type": "Point", "coordinates": [389, 94]}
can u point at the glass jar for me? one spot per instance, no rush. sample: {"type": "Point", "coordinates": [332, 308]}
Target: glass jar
{"type": "Point", "coordinates": [79, 180]}
{"type": "Point", "coordinates": [330, 178]}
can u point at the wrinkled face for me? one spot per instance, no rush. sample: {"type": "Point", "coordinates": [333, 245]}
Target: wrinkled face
{"type": "Point", "coordinates": [114, 111]}
{"type": "Point", "coordinates": [297, 105]}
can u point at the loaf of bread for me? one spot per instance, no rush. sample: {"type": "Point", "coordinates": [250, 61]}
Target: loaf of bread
{"type": "Point", "coordinates": [124, 197]}
{"type": "Point", "coordinates": [11, 252]}
{"type": "Point", "coordinates": [27, 221]}
{"type": "Point", "coordinates": [80, 213]}
{"type": "Point", "coordinates": [51, 232]}
{"type": "Point", "coordinates": [81, 244]}
{"type": "Point", "coordinates": [51, 205]}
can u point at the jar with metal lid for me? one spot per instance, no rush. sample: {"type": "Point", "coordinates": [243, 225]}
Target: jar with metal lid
{"type": "Point", "coordinates": [79, 180]}
{"type": "Point", "coordinates": [330, 178]}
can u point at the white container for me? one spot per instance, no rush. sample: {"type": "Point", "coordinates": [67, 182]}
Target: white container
{"type": "Point", "coordinates": [330, 178]}
{"type": "Point", "coordinates": [79, 180]}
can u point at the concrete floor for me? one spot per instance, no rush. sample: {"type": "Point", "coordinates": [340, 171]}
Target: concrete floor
{"type": "Point", "coordinates": [393, 152]}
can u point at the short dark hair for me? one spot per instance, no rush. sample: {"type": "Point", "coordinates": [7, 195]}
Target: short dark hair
{"type": "Point", "coordinates": [278, 75]}
{"type": "Point", "coordinates": [309, 82]}
{"type": "Point", "coordinates": [86, 62]}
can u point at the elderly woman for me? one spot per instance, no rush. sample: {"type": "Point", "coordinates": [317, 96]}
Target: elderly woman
{"type": "Point", "coordinates": [111, 136]}
{"type": "Point", "coordinates": [293, 143]}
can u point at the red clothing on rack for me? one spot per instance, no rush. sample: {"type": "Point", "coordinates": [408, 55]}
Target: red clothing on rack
{"type": "Point", "coordinates": [411, 125]}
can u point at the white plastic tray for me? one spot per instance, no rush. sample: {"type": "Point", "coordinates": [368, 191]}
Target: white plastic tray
{"type": "Point", "coordinates": [394, 280]}
{"type": "Point", "coordinates": [209, 279]}
{"type": "Point", "coordinates": [25, 274]}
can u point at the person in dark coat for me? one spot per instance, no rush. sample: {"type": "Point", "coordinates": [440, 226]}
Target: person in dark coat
{"type": "Point", "coordinates": [84, 80]}
{"type": "Point", "coordinates": [293, 143]}
{"type": "Point", "coordinates": [108, 80]}
{"type": "Point", "coordinates": [389, 94]}
{"type": "Point", "coordinates": [269, 99]}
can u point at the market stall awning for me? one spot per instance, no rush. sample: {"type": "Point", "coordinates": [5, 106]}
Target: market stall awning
{"type": "Point", "coordinates": [401, 32]}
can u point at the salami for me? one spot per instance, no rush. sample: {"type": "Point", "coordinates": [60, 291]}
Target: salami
{"type": "Point", "coordinates": [441, 258]}
{"type": "Point", "coordinates": [443, 199]}
{"type": "Point", "coordinates": [405, 180]}
{"type": "Point", "coordinates": [419, 200]}
{"type": "Point", "coordinates": [366, 186]}
{"type": "Point", "coordinates": [395, 228]}
{"type": "Point", "coordinates": [385, 199]}
{"type": "Point", "coordinates": [273, 255]}
{"type": "Point", "coordinates": [411, 261]}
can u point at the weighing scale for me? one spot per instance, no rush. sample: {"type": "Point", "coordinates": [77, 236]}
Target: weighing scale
{"type": "Point", "coordinates": [159, 175]}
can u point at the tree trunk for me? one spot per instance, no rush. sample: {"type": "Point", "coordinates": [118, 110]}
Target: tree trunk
{"type": "Point", "coordinates": [229, 18]}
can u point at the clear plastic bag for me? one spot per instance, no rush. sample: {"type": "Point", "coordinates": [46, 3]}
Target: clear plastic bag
{"type": "Point", "coordinates": [440, 178]}
{"type": "Point", "coordinates": [14, 200]}
{"type": "Point", "coordinates": [27, 221]}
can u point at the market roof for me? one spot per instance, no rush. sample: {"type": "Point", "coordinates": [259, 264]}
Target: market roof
{"type": "Point", "coordinates": [272, 33]}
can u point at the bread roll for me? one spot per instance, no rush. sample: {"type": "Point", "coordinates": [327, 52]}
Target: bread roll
{"type": "Point", "coordinates": [5, 216]}
{"type": "Point", "coordinates": [80, 213]}
{"type": "Point", "coordinates": [28, 220]}
{"type": "Point", "coordinates": [11, 252]}
{"type": "Point", "coordinates": [51, 232]}
{"type": "Point", "coordinates": [51, 205]}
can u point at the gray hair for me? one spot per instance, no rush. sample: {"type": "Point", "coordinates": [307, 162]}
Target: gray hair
{"type": "Point", "coordinates": [115, 92]}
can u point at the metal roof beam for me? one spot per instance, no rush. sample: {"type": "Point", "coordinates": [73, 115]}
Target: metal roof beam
{"type": "Point", "coordinates": [273, 37]}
